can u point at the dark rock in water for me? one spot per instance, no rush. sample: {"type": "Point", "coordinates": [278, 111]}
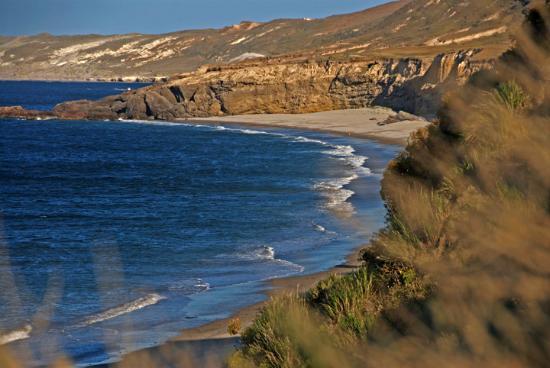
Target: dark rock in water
{"type": "Point", "coordinates": [73, 110]}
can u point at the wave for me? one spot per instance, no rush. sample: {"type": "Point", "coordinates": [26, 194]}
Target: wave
{"type": "Point", "coordinates": [153, 122]}
{"type": "Point", "coordinates": [192, 286]}
{"type": "Point", "coordinates": [322, 229]}
{"type": "Point", "coordinates": [347, 154]}
{"type": "Point", "coordinates": [333, 188]}
{"type": "Point", "coordinates": [319, 228]}
{"type": "Point", "coordinates": [337, 196]}
{"type": "Point", "coordinates": [266, 253]}
{"type": "Point", "coordinates": [244, 131]}
{"type": "Point", "coordinates": [308, 140]}
{"type": "Point", "coordinates": [126, 308]}
{"type": "Point", "coordinates": [341, 151]}
{"type": "Point", "coordinates": [16, 335]}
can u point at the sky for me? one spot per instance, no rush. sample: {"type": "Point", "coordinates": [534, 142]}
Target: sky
{"type": "Point", "coordinates": [24, 17]}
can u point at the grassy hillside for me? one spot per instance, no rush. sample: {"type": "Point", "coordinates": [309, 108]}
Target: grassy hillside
{"type": "Point", "coordinates": [400, 28]}
{"type": "Point", "coordinates": [460, 275]}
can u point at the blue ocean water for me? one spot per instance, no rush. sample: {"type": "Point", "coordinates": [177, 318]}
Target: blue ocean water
{"type": "Point", "coordinates": [117, 235]}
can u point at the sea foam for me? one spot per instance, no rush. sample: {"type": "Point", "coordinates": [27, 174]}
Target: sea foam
{"type": "Point", "coordinates": [333, 189]}
{"type": "Point", "coordinates": [15, 335]}
{"type": "Point", "coordinates": [126, 308]}
{"type": "Point", "coordinates": [191, 286]}
{"type": "Point", "coordinates": [267, 253]}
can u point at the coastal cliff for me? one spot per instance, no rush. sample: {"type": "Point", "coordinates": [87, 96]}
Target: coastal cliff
{"type": "Point", "coordinates": [392, 30]}
{"type": "Point", "coordinates": [381, 56]}
{"type": "Point", "coordinates": [413, 85]}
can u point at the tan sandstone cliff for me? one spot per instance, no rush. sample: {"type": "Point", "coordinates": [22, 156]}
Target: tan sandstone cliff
{"type": "Point", "coordinates": [413, 85]}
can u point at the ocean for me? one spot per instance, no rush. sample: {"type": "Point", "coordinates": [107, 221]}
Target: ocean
{"type": "Point", "coordinates": [115, 236]}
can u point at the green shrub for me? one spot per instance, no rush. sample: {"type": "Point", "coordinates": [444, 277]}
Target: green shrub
{"type": "Point", "coordinates": [512, 95]}
{"type": "Point", "coordinates": [344, 300]}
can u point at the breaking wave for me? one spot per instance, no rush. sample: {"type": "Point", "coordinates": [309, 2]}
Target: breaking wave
{"type": "Point", "coordinates": [333, 189]}
{"type": "Point", "coordinates": [266, 253]}
{"type": "Point", "coordinates": [126, 308]}
{"type": "Point", "coordinates": [319, 228]}
{"type": "Point", "coordinates": [15, 335]}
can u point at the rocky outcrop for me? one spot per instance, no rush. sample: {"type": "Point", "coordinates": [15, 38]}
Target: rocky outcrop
{"type": "Point", "coordinates": [18, 112]}
{"type": "Point", "coordinates": [412, 85]}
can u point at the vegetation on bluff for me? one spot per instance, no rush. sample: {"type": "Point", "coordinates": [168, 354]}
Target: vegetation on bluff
{"type": "Point", "coordinates": [460, 275]}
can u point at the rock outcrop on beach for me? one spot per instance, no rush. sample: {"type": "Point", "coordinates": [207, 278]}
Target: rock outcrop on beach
{"type": "Point", "coordinates": [404, 28]}
{"type": "Point", "coordinates": [404, 55]}
{"type": "Point", "coordinates": [413, 85]}
{"type": "Point", "coordinates": [19, 112]}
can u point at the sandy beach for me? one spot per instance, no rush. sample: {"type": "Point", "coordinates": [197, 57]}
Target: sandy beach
{"type": "Point", "coordinates": [360, 123]}
{"type": "Point", "coordinates": [210, 344]}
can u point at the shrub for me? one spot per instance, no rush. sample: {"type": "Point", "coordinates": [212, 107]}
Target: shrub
{"type": "Point", "coordinates": [234, 326]}
{"type": "Point", "coordinates": [511, 95]}
{"type": "Point", "coordinates": [458, 277]}
{"type": "Point", "coordinates": [344, 300]}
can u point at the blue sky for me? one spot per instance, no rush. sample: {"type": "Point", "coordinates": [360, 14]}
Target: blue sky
{"type": "Point", "coordinates": [19, 17]}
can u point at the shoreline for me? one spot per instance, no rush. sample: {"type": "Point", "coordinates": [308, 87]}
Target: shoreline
{"type": "Point", "coordinates": [275, 287]}
{"type": "Point", "coordinates": [144, 81]}
{"type": "Point", "coordinates": [210, 344]}
{"type": "Point", "coordinates": [363, 123]}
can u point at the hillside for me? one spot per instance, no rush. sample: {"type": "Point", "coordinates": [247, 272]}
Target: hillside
{"type": "Point", "coordinates": [404, 28]}
{"type": "Point", "coordinates": [459, 275]}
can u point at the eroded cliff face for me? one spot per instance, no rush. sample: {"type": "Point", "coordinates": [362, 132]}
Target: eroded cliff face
{"type": "Point", "coordinates": [413, 85]}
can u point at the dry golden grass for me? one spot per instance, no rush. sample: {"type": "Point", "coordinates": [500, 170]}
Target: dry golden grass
{"type": "Point", "coordinates": [460, 277]}
{"type": "Point", "coordinates": [463, 268]}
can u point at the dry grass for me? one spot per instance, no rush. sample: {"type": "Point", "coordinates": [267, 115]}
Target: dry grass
{"type": "Point", "coordinates": [460, 276]}
{"type": "Point", "coordinates": [234, 326]}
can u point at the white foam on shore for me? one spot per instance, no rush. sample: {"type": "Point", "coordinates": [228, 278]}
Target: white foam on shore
{"type": "Point", "coordinates": [16, 335]}
{"type": "Point", "coordinates": [152, 122]}
{"type": "Point", "coordinates": [132, 306]}
{"type": "Point", "coordinates": [337, 195]}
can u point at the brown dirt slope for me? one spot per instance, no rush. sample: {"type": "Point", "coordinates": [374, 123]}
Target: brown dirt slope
{"type": "Point", "coordinates": [408, 28]}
